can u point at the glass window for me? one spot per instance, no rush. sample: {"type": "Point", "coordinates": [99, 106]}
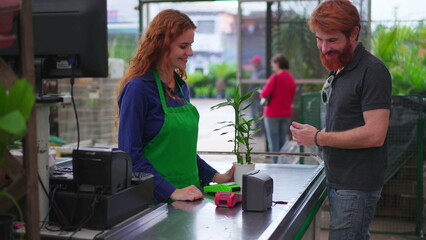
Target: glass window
{"type": "Point", "coordinates": [205, 26]}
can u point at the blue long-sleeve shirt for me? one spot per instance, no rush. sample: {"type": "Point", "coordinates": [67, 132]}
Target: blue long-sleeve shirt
{"type": "Point", "coordinates": [141, 118]}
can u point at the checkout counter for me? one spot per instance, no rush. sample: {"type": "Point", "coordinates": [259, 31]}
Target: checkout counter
{"type": "Point", "coordinates": [301, 186]}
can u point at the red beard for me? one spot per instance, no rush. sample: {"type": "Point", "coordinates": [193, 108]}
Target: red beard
{"type": "Point", "coordinates": [335, 64]}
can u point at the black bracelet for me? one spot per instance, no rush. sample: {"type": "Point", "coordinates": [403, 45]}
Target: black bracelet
{"type": "Point", "coordinates": [315, 138]}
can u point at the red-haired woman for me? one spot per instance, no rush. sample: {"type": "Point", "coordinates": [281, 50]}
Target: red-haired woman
{"type": "Point", "coordinates": [158, 126]}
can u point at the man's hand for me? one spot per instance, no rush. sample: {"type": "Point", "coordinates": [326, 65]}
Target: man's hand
{"type": "Point", "coordinates": [303, 134]}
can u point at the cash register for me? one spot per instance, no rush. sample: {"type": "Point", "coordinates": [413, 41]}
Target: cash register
{"type": "Point", "coordinates": [100, 192]}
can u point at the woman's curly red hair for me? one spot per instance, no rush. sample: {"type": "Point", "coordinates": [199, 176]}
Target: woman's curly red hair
{"type": "Point", "coordinates": [155, 44]}
{"type": "Point", "coordinates": [154, 47]}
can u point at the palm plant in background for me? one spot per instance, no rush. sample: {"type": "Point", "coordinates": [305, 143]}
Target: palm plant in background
{"type": "Point", "coordinates": [221, 78]}
{"type": "Point", "coordinates": [223, 72]}
{"type": "Point", "coordinates": [201, 85]}
{"type": "Point", "coordinates": [403, 50]}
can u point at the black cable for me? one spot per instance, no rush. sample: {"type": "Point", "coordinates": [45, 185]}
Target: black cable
{"type": "Point", "coordinates": [52, 204]}
{"type": "Point", "coordinates": [62, 220]}
{"type": "Point", "coordinates": [72, 81]}
{"type": "Point", "coordinates": [42, 186]}
{"type": "Point", "coordinates": [97, 235]}
{"type": "Point", "coordinates": [89, 216]}
{"type": "Point", "coordinates": [47, 195]}
{"type": "Point", "coordinates": [43, 225]}
{"type": "Point", "coordinates": [279, 202]}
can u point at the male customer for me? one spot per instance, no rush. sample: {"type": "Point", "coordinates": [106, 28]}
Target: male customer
{"type": "Point", "coordinates": [358, 100]}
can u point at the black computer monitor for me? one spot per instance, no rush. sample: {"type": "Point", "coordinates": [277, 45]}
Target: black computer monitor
{"type": "Point", "coordinates": [70, 39]}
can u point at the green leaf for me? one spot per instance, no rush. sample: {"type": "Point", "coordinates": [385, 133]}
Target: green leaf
{"type": "Point", "coordinates": [21, 97]}
{"type": "Point", "coordinates": [246, 96]}
{"type": "Point", "coordinates": [220, 105]}
{"type": "Point", "coordinates": [237, 94]}
{"type": "Point", "coordinates": [241, 129]}
{"type": "Point", "coordinates": [401, 49]}
{"type": "Point", "coordinates": [222, 122]}
{"type": "Point", "coordinates": [240, 139]}
{"type": "Point", "coordinates": [10, 197]}
{"type": "Point", "coordinates": [246, 107]}
{"type": "Point", "coordinates": [13, 123]}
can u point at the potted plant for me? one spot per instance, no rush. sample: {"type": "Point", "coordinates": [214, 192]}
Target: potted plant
{"type": "Point", "coordinates": [242, 131]}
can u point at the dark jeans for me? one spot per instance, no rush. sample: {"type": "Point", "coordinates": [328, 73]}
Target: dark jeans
{"type": "Point", "coordinates": [351, 213]}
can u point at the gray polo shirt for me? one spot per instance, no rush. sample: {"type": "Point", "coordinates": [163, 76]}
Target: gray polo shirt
{"type": "Point", "coordinates": [364, 84]}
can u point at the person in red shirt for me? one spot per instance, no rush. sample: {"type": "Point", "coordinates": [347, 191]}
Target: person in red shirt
{"type": "Point", "coordinates": [280, 88]}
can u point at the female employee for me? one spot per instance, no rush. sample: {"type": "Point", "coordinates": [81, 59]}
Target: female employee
{"type": "Point", "coordinates": [158, 126]}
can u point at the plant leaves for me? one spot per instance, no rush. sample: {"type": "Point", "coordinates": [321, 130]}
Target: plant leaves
{"type": "Point", "coordinates": [240, 139]}
{"type": "Point", "coordinates": [13, 123]}
{"type": "Point", "coordinates": [242, 126]}
{"type": "Point", "coordinates": [246, 96]}
{"type": "Point", "coordinates": [21, 97]}
{"type": "Point", "coordinates": [246, 106]}
{"type": "Point", "coordinates": [220, 105]}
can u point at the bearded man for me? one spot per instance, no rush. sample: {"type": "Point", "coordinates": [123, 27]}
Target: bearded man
{"type": "Point", "coordinates": [357, 95]}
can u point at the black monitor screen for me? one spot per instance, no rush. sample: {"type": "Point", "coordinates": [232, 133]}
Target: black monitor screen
{"type": "Point", "coordinates": [68, 33]}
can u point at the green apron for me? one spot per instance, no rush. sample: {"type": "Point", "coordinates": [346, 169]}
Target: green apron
{"type": "Point", "coordinates": [173, 151]}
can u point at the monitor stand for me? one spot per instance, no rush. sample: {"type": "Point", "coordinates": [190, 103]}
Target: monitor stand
{"type": "Point", "coordinates": [42, 108]}
{"type": "Point", "coordinates": [44, 161]}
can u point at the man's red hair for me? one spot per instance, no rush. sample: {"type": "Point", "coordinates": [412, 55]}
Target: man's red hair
{"type": "Point", "coordinates": [335, 15]}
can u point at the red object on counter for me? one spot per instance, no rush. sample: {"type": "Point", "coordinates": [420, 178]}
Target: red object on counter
{"type": "Point", "coordinates": [227, 199]}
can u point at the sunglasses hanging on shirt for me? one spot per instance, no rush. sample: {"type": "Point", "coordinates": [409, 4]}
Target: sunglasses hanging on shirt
{"type": "Point", "coordinates": [327, 88]}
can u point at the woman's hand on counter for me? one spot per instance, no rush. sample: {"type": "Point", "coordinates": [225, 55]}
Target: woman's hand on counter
{"type": "Point", "coordinates": [190, 193]}
{"type": "Point", "coordinates": [228, 176]}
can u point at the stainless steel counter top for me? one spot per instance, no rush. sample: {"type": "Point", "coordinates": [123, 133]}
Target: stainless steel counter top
{"type": "Point", "coordinates": [299, 185]}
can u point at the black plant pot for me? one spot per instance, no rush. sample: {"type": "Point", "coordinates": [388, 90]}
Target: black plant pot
{"type": "Point", "coordinates": [6, 227]}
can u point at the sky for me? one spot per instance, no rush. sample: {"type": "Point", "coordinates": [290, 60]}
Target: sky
{"type": "Point", "coordinates": [386, 9]}
{"type": "Point", "coordinates": [382, 10]}
{"type": "Point", "coordinates": [406, 9]}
